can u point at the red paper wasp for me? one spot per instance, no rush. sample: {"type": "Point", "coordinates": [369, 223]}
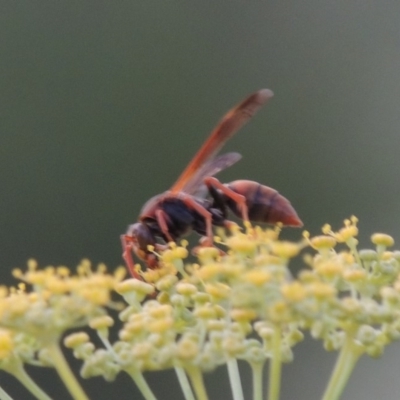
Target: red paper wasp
{"type": "Point", "coordinates": [197, 200]}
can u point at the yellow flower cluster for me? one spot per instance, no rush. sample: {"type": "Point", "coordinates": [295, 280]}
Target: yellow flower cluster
{"type": "Point", "coordinates": [240, 301]}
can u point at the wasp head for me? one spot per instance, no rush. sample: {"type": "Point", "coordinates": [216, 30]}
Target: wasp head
{"type": "Point", "coordinates": [137, 239]}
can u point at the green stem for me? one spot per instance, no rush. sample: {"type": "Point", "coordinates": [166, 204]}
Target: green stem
{"type": "Point", "coordinates": [257, 372]}
{"type": "Point", "coordinates": [184, 383]}
{"type": "Point", "coordinates": [64, 371]}
{"type": "Point", "coordinates": [234, 378]}
{"type": "Point", "coordinates": [348, 357]}
{"type": "Point", "coordinates": [4, 395]}
{"type": "Point", "coordinates": [30, 384]}
{"type": "Point", "coordinates": [141, 383]}
{"type": "Point", "coordinates": [16, 368]}
{"type": "Point", "coordinates": [351, 243]}
{"type": "Point", "coordinates": [196, 377]}
{"type": "Point", "coordinates": [275, 366]}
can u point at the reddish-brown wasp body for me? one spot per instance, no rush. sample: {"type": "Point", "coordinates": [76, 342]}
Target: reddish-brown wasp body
{"type": "Point", "coordinates": [198, 201]}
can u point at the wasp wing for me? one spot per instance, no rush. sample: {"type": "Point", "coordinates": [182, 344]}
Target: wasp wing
{"type": "Point", "coordinates": [228, 126]}
{"type": "Point", "coordinates": [211, 168]}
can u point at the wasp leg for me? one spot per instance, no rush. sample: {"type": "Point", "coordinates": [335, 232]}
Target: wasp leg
{"type": "Point", "coordinates": [218, 200]}
{"type": "Point", "coordinates": [214, 184]}
{"type": "Point", "coordinates": [127, 248]}
{"type": "Point", "coordinates": [162, 221]}
{"type": "Point", "coordinates": [190, 202]}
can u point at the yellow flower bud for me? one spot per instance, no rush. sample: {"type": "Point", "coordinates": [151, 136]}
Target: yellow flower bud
{"type": "Point", "coordinates": [285, 249]}
{"type": "Point", "coordinates": [76, 339]}
{"type": "Point", "coordinates": [105, 321]}
{"type": "Point", "coordinates": [381, 239]}
{"type": "Point", "coordinates": [218, 290]}
{"type": "Point", "coordinates": [241, 243]}
{"type": "Point", "coordinates": [160, 311]}
{"type": "Point", "coordinates": [321, 290]}
{"type": "Point", "coordinates": [330, 269]}
{"type": "Point", "coordinates": [160, 325]}
{"type": "Point", "coordinates": [347, 233]}
{"type": "Point", "coordinates": [354, 275]}
{"type": "Point", "coordinates": [257, 277]}
{"type": "Point", "coordinates": [243, 314]}
{"type": "Point", "coordinates": [205, 312]}
{"type": "Point", "coordinates": [293, 292]}
{"type": "Point", "coordinates": [210, 271]}
{"type": "Point", "coordinates": [134, 285]}
{"type": "Point", "coordinates": [187, 349]}
{"type": "Point", "coordinates": [323, 242]}
{"type": "Point", "coordinates": [186, 289]}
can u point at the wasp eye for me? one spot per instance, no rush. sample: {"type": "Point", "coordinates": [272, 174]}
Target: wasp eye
{"type": "Point", "coordinates": [141, 236]}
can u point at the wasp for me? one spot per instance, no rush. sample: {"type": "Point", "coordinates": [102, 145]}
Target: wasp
{"type": "Point", "coordinates": [197, 201]}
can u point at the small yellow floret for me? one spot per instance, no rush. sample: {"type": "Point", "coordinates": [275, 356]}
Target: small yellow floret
{"type": "Point", "coordinates": [347, 233]}
{"type": "Point", "coordinates": [285, 249]}
{"type": "Point", "coordinates": [347, 258]}
{"type": "Point", "coordinates": [186, 289]}
{"type": "Point", "coordinates": [381, 239]}
{"type": "Point", "coordinates": [181, 252]}
{"type": "Point", "coordinates": [161, 311]}
{"type": "Point", "coordinates": [205, 312]}
{"type": "Point", "coordinates": [351, 305]}
{"type": "Point", "coordinates": [387, 255]}
{"type": "Point", "coordinates": [187, 349]}
{"type": "Point", "coordinates": [36, 277]}
{"type": "Point", "coordinates": [210, 271]}
{"type": "Point", "coordinates": [262, 260]}
{"type": "Point", "coordinates": [233, 345]}
{"type": "Point", "coordinates": [243, 314]}
{"type": "Point", "coordinates": [220, 311]}
{"type": "Point", "coordinates": [160, 325]}
{"type": "Point", "coordinates": [134, 327]}
{"type": "Point", "coordinates": [18, 305]}
{"type": "Point", "coordinates": [327, 229]}
{"type": "Point", "coordinates": [166, 282]}
{"type": "Point", "coordinates": [134, 285]}
{"type": "Point", "coordinates": [142, 350]}
{"type": "Point", "coordinates": [354, 275]}
{"type": "Point", "coordinates": [293, 291]}
{"type": "Point", "coordinates": [218, 290]}
{"type": "Point", "coordinates": [330, 269]}
{"type": "Point", "coordinates": [216, 325]}
{"type": "Point", "coordinates": [257, 277]}
{"type": "Point", "coordinates": [57, 285]}
{"type": "Point", "coordinates": [76, 339]}
{"type": "Point", "coordinates": [207, 254]}
{"type": "Point", "coordinates": [152, 275]}
{"type": "Point", "coordinates": [63, 271]}
{"type": "Point", "coordinates": [6, 343]}
{"type": "Point", "coordinates": [279, 312]}
{"type": "Point", "coordinates": [321, 290]}
{"type": "Point", "coordinates": [102, 322]}
{"type": "Point", "coordinates": [168, 255]}
{"type": "Point", "coordinates": [95, 296]}
{"type": "Point", "coordinates": [241, 243]}
{"type": "Point", "coordinates": [323, 242]}
{"type": "Point", "coordinates": [32, 264]}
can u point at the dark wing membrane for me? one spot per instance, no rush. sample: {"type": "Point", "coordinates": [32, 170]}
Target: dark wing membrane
{"type": "Point", "coordinates": [228, 126]}
{"type": "Point", "coordinates": [211, 168]}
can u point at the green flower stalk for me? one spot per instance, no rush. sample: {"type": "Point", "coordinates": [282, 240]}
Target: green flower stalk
{"type": "Point", "coordinates": [238, 302]}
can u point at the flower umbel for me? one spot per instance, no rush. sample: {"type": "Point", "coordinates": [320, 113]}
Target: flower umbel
{"type": "Point", "coordinates": [242, 303]}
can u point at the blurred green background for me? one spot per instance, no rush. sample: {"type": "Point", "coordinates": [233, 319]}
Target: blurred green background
{"type": "Point", "coordinates": [103, 103]}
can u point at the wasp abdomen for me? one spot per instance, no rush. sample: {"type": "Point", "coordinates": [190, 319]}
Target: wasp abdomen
{"type": "Point", "coordinates": [264, 204]}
